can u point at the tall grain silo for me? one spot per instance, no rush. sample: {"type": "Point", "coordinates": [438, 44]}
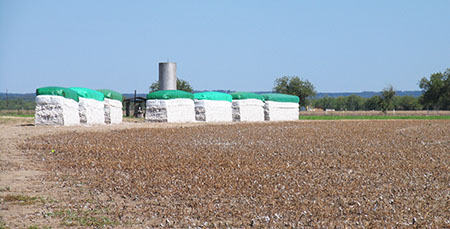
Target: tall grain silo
{"type": "Point", "coordinates": [167, 76]}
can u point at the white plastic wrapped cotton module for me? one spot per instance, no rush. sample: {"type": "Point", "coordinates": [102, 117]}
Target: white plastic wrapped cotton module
{"type": "Point", "coordinates": [56, 110]}
{"type": "Point", "coordinates": [212, 106]}
{"type": "Point", "coordinates": [113, 111]}
{"type": "Point", "coordinates": [113, 106]}
{"type": "Point", "coordinates": [281, 107]}
{"type": "Point", "coordinates": [170, 110]}
{"type": "Point", "coordinates": [280, 111]}
{"type": "Point", "coordinates": [91, 106]}
{"type": "Point", "coordinates": [56, 106]}
{"type": "Point", "coordinates": [91, 111]}
{"type": "Point", "coordinates": [248, 110]}
{"type": "Point", "coordinates": [213, 111]}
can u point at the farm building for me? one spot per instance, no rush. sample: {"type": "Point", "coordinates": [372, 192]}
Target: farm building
{"type": "Point", "coordinates": [112, 106]}
{"type": "Point", "coordinates": [280, 107]}
{"type": "Point", "coordinates": [56, 106]}
{"type": "Point", "coordinates": [213, 107]}
{"type": "Point", "coordinates": [170, 106]}
{"type": "Point", "coordinates": [247, 107]}
{"type": "Point", "coordinates": [91, 106]}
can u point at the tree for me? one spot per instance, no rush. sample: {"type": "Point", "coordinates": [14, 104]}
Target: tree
{"type": "Point", "coordinates": [387, 96]}
{"type": "Point", "coordinates": [407, 103]}
{"type": "Point", "coordinates": [340, 103]}
{"type": "Point", "coordinates": [325, 103]}
{"type": "Point", "coordinates": [353, 102]}
{"type": "Point", "coordinates": [436, 90]}
{"type": "Point", "coordinates": [293, 85]}
{"type": "Point", "coordinates": [373, 103]}
{"type": "Point", "coordinates": [181, 85]}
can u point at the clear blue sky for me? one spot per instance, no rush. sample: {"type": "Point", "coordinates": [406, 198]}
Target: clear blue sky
{"type": "Point", "coordinates": [340, 46]}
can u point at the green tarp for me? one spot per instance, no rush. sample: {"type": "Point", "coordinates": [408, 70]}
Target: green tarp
{"type": "Point", "coordinates": [170, 94]}
{"type": "Point", "coordinates": [213, 95]}
{"type": "Point", "coordinates": [59, 91]}
{"type": "Point", "coordinates": [110, 94]}
{"type": "Point", "coordinates": [246, 95]}
{"type": "Point", "coordinates": [89, 93]}
{"type": "Point", "coordinates": [281, 98]}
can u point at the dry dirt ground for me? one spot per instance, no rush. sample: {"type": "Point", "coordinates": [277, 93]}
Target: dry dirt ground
{"type": "Point", "coordinates": [306, 173]}
{"type": "Point", "coordinates": [26, 195]}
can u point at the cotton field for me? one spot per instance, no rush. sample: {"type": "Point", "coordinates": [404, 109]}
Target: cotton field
{"type": "Point", "coordinates": [290, 174]}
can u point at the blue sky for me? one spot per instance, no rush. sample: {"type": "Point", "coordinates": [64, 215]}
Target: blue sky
{"type": "Point", "coordinates": [340, 46]}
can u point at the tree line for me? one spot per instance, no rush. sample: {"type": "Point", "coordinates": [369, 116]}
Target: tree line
{"type": "Point", "coordinates": [354, 103]}
{"type": "Point", "coordinates": [17, 103]}
{"type": "Point", "coordinates": [436, 95]}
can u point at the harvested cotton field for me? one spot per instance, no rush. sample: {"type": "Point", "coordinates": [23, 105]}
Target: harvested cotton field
{"type": "Point", "coordinates": [312, 173]}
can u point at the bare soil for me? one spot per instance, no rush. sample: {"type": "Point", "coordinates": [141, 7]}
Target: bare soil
{"type": "Point", "coordinates": [284, 174]}
{"type": "Point", "coordinates": [26, 174]}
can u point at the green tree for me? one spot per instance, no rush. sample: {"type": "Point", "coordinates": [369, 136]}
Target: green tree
{"type": "Point", "coordinates": [181, 85]}
{"type": "Point", "coordinates": [325, 103]}
{"type": "Point", "coordinates": [353, 103]}
{"type": "Point", "coordinates": [373, 103]}
{"type": "Point", "coordinates": [341, 103]}
{"type": "Point", "coordinates": [387, 97]}
{"type": "Point", "coordinates": [407, 103]}
{"type": "Point", "coordinates": [293, 85]}
{"type": "Point", "coordinates": [436, 90]}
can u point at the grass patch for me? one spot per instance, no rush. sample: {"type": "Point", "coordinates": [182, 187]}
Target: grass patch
{"type": "Point", "coordinates": [5, 189]}
{"type": "Point", "coordinates": [83, 218]}
{"type": "Point", "coordinates": [24, 200]}
{"type": "Point", "coordinates": [337, 117]}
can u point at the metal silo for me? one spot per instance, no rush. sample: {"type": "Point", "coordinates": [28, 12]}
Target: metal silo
{"type": "Point", "coordinates": [168, 76]}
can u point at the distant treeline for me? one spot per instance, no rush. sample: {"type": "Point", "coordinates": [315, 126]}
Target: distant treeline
{"type": "Point", "coordinates": [365, 94]}
{"type": "Point", "coordinates": [355, 103]}
{"type": "Point", "coordinates": [17, 103]}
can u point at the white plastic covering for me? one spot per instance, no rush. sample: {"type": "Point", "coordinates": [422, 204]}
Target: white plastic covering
{"type": "Point", "coordinates": [213, 111]}
{"type": "Point", "coordinates": [56, 110]}
{"type": "Point", "coordinates": [248, 110]}
{"type": "Point", "coordinates": [171, 110]}
{"type": "Point", "coordinates": [113, 111]}
{"type": "Point", "coordinates": [280, 111]}
{"type": "Point", "coordinates": [91, 111]}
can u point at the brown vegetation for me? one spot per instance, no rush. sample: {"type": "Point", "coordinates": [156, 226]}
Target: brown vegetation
{"type": "Point", "coordinates": [322, 173]}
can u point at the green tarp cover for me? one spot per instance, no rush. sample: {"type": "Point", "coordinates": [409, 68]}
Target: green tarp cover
{"type": "Point", "coordinates": [213, 95]}
{"type": "Point", "coordinates": [89, 93]}
{"type": "Point", "coordinates": [170, 94]}
{"type": "Point", "coordinates": [281, 98]}
{"type": "Point", "coordinates": [110, 94]}
{"type": "Point", "coordinates": [60, 91]}
{"type": "Point", "coordinates": [246, 95]}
